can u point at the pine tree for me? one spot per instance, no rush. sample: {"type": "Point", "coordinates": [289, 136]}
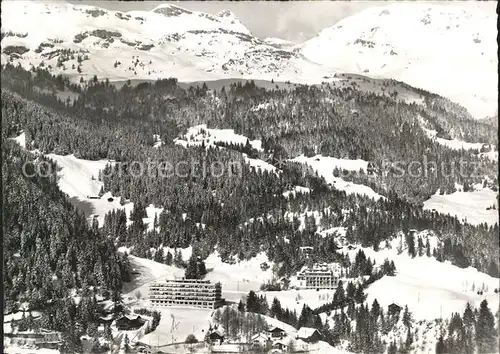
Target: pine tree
{"type": "Point", "coordinates": [427, 248]}
{"type": "Point", "coordinates": [178, 261]}
{"type": "Point", "coordinates": [276, 310]}
{"type": "Point", "coordinates": [440, 346]}
{"type": "Point", "coordinates": [410, 241]}
{"type": "Point", "coordinates": [420, 247]}
{"type": "Point", "coordinates": [486, 339]}
{"type": "Point", "coordinates": [252, 302]}
{"type": "Point", "coordinates": [192, 267]}
{"type": "Point", "coordinates": [159, 255]}
{"type": "Point", "coordinates": [339, 296]}
{"type": "Point", "coordinates": [407, 317]}
{"type": "Point", "coordinates": [168, 258]}
{"type": "Point", "coordinates": [409, 340]}
{"type": "Point", "coordinates": [241, 306]}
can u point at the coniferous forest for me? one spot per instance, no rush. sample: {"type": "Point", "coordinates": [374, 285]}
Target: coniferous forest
{"type": "Point", "coordinates": [52, 251]}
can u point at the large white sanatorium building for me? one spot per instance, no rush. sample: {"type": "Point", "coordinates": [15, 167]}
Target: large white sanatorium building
{"type": "Point", "coordinates": [319, 276]}
{"type": "Point", "coordinates": [186, 293]}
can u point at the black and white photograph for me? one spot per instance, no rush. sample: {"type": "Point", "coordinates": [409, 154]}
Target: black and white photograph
{"type": "Point", "coordinates": [257, 177]}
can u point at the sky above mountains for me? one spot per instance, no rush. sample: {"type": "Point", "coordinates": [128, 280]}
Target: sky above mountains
{"type": "Point", "coordinates": [295, 21]}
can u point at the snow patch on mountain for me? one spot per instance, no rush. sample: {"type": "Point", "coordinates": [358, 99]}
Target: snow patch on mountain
{"type": "Point", "coordinates": [260, 165]}
{"type": "Point", "coordinates": [199, 134]}
{"type": "Point", "coordinates": [430, 288]}
{"type": "Point", "coordinates": [444, 49]}
{"type": "Point", "coordinates": [324, 166]}
{"type": "Point", "coordinates": [475, 206]}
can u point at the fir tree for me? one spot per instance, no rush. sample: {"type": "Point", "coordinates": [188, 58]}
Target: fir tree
{"type": "Point", "coordinates": [486, 336]}
{"type": "Point", "coordinates": [241, 306]}
{"type": "Point", "coordinates": [275, 310]}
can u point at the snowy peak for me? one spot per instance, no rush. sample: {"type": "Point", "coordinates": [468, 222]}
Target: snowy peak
{"type": "Point", "coordinates": [224, 17]}
{"type": "Point", "coordinates": [228, 15]}
{"type": "Point", "coordinates": [443, 49]}
{"type": "Point", "coordinates": [83, 41]}
{"type": "Point", "coordinates": [170, 10]}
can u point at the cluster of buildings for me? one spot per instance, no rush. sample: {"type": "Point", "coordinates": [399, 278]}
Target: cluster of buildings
{"type": "Point", "coordinates": [319, 276]}
{"type": "Point", "coordinates": [275, 340]}
{"type": "Point", "coordinates": [195, 293]}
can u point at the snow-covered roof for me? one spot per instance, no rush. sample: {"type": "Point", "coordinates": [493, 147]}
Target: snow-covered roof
{"type": "Point", "coordinates": [220, 333]}
{"type": "Point", "coordinates": [306, 332]}
{"type": "Point", "coordinates": [259, 335]}
{"type": "Point", "coordinates": [276, 329]}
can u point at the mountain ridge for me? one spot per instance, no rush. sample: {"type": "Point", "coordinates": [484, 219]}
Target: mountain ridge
{"type": "Point", "coordinates": [169, 40]}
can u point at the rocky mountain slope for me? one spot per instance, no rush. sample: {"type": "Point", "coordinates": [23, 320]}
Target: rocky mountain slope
{"type": "Point", "coordinates": [442, 49]}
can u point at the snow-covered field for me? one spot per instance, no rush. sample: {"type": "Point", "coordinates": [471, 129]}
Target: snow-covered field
{"type": "Point", "coordinates": [239, 278]}
{"type": "Point", "coordinates": [324, 166]}
{"type": "Point", "coordinates": [176, 324]}
{"type": "Point", "coordinates": [470, 206]}
{"type": "Point", "coordinates": [147, 271]}
{"type": "Point", "coordinates": [198, 134]}
{"type": "Point", "coordinates": [79, 180]}
{"type": "Point", "coordinates": [430, 288]}
{"type": "Point", "coordinates": [456, 144]}
{"type": "Point", "coordinates": [296, 299]}
{"type": "Point", "coordinates": [260, 165]}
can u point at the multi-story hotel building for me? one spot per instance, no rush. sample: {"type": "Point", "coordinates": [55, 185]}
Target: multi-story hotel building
{"type": "Point", "coordinates": [186, 293]}
{"type": "Point", "coordinates": [319, 276]}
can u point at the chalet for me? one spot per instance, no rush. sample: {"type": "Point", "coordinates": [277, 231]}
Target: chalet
{"type": "Point", "coordinates": [281, 345]}
{"type": "Point", "coordinates": [276, 332]}
{"type": "Point", "coordinates": [128, 323]}
{"type": "Point", "coordinates": [308, 335]}
{"type": "Point", "coordinates": [260, 339]}
{"type": "Point", "coordinates": [394, 309]}
{"type": "Point", "coordinates": [216, 337]}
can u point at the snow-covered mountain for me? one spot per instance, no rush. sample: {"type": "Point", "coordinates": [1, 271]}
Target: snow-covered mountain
{"type": "Point", "coordinates": [167, 41]}
{"type": "Point", "coordinates": [443, 49]}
